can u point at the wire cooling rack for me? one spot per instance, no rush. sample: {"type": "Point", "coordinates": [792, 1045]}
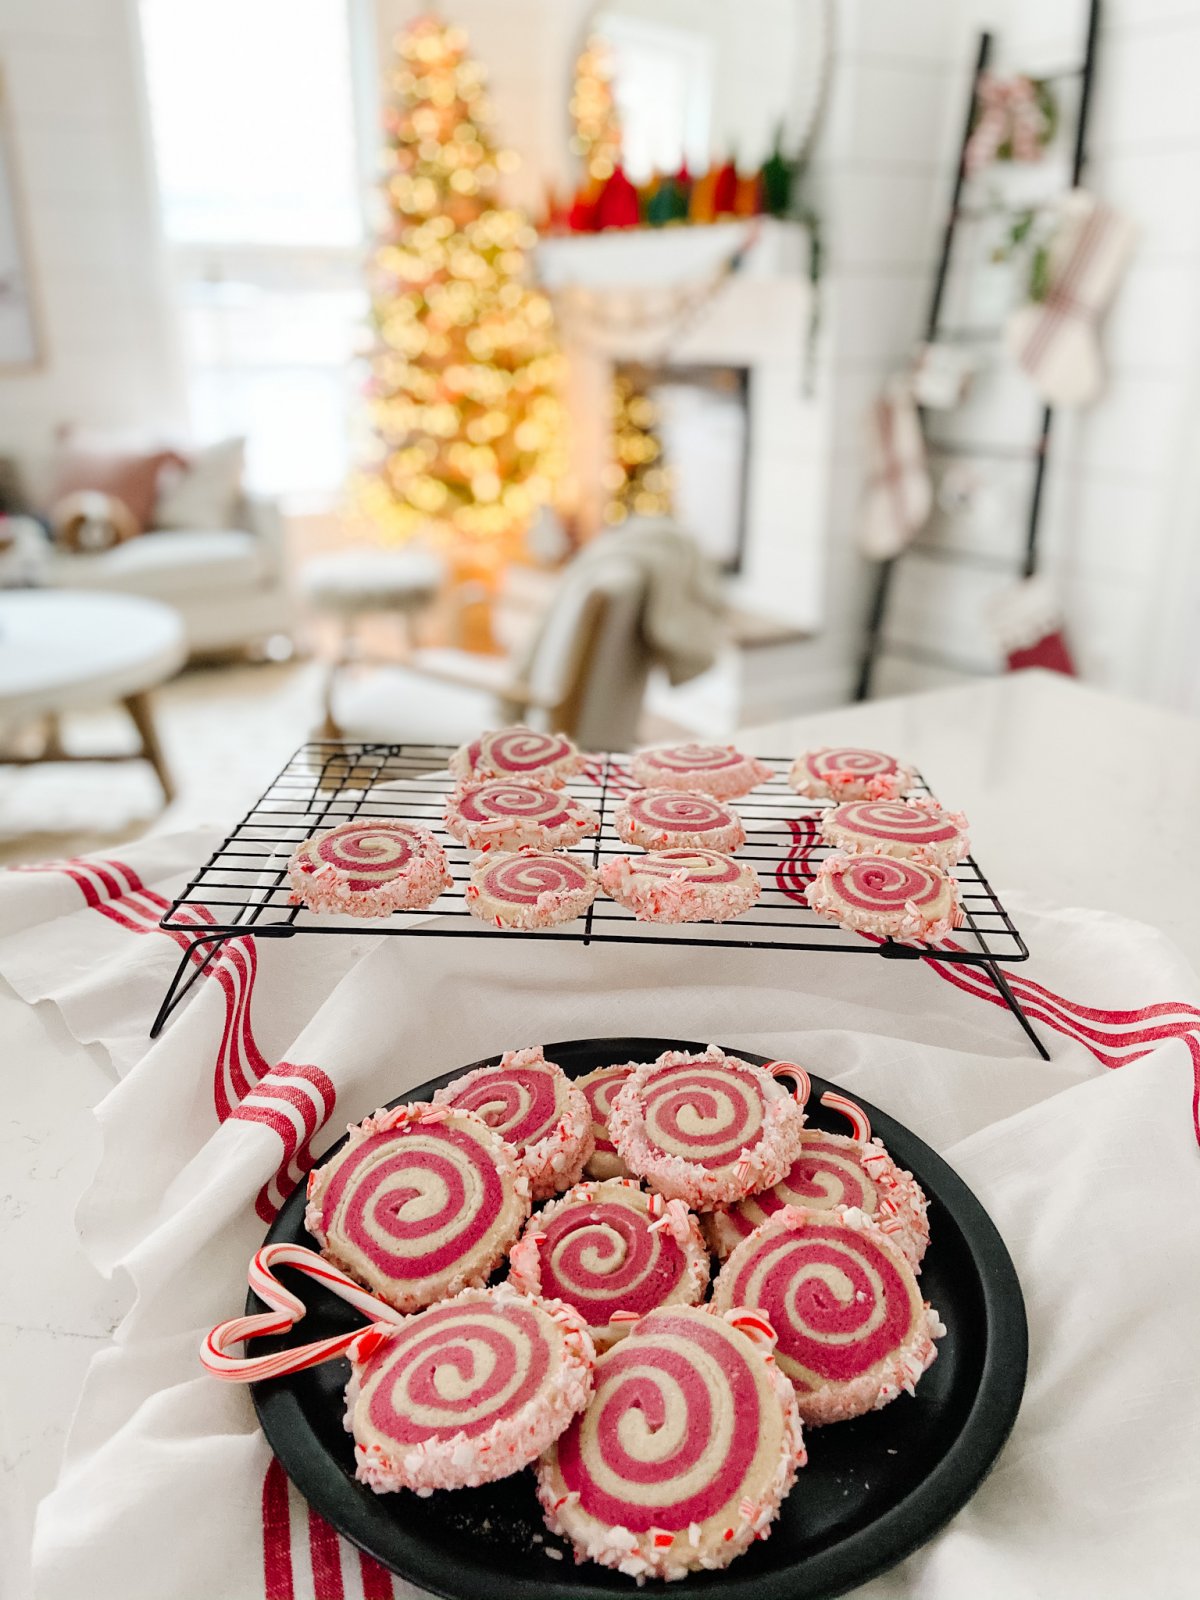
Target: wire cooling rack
{"type": "Point", "coordinates": [242, 889]}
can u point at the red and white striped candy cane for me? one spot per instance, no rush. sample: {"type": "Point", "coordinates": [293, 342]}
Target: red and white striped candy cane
{"type": "Point", "coordinates": [853, 1113]}
{"type": "Point", "coordinates": [790, 1069]}
{"type": "Point", "coordinates": [287, 1310]}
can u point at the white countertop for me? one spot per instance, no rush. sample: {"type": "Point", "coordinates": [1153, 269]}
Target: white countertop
{"type": "Point", "coordinates": [1075, 795]}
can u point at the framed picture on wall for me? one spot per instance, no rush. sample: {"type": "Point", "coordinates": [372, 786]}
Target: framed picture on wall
{"type": "Point", "coordinates": [19, 342]}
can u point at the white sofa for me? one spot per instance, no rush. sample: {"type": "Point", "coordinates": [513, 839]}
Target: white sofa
{"type": "Point", "coordinates": [229, 585]}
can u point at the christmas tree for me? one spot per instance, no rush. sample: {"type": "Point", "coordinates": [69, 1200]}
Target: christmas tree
{"type": "Point", "coordinates": [637, 479]}
{"type": "Point", "coordinates": [465, 369]}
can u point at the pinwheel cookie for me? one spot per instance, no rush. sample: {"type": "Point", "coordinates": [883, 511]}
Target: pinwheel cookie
{"type": "Point", "coordinates": [690, 885]}
{"type": "Point", "coordinates": [369, 867]}
{"type": "Point", "coordinates": [835, 1173]}
{"type": "Point", "coordinates": [668, 819]}
{"type": "Point", "coordinates": [685, 1452]}
{"type": "Point", "coordinates": [530, 888]}
{"type": "Point", "coordinates": [469, 1391]}
{"type": "Point", "coordinates": [517, 752]}
{"type": "Point", "coordinates": [510, 813]}
{"type": "Point", "coordinates": [716, 769]}
{"type": "Point", "coordinates": [909, 901]}
{"type": "Point", "coordinates": [599, 1088]}
{"type": "Point", "coordinates": [852, 1329]}
{"type": "Point", "coordinates": [613, 1252]}
{"type": "Point", "coordinates": [848, 773]}
{"type": "Point", "coordinates": [907, 829]}
{"type": "Point", "coordinates": [706, 1129]}
{"type": "Point", "coordinates": [531, 1104]}
{"type": "Point", "coordinates": [422, 1201]}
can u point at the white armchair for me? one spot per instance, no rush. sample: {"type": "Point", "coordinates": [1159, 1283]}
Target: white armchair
{"type": "Point", "coordinates": [585, 676]}
{"type": "Point", "coordinates": [228, 584]}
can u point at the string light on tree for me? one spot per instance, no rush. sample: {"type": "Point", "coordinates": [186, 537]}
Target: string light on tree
{"type": "Point", "coordinates": [637, 478]}
{"type": "Point", "coordinates": [597, 137]}
{"type": "Point", "coordinates": [465, 370]}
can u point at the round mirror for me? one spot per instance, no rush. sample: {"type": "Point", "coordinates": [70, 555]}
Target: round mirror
{"type": "Point", "coordinates": [701, 81]}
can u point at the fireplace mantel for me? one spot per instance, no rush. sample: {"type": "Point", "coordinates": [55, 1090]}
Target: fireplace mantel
{"type": "Point", "coordinates": [651, 295]}
{"type": "Point", "coordinates": [656, 258]}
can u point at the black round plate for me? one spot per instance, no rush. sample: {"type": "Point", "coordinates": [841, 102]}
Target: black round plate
{"type": "Point", "coordinates": [873, 1491]}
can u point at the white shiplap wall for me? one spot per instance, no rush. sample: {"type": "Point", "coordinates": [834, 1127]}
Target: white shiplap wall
{"type": "Point", "coordinates": [75, 99]}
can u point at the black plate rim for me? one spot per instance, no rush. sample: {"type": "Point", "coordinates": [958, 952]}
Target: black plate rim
{"type": "Point", "coordinates": [856, 1558]}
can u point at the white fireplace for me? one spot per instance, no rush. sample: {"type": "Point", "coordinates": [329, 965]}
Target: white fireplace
{"type": "Point", "coordinates": [641, 296]}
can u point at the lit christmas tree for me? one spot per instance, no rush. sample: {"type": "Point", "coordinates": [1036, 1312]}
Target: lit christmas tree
{"type": "Point", "coordinates": [637, 478]}
{"type": "Point", "coordinates": [464, 376]}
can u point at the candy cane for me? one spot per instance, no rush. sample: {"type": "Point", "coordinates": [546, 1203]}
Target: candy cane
{"type": "Point", "coordinates": [789, 1069]}
{"type": "Point", "coordinates": [287, 1310]}
{"type": "Point", "coordinates": [853, 1113]}
{"type": "Point", "coordinates": [753, 1324]}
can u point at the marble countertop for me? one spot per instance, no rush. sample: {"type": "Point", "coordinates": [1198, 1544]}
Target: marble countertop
{"type": "Point", "coordinates": [1074, 795]}
{"type": "Point", "coordinates": [1079, 797]}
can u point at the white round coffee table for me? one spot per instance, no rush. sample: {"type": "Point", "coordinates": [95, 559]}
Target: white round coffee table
{"type": "Point", "coordinates": [64, 651]}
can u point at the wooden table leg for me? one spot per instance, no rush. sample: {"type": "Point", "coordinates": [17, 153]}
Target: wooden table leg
{"type": "Point", "coordinates": [138, 707]}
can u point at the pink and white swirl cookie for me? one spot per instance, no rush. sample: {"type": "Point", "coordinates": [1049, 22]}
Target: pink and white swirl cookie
{"type": "Point", "coordinates": [685, 1452]}
{"type": "Point", "coordinates": [691, 885]}
{"type": "Point", "coordinates": [599, 1088]}
{"type": "Point", "coordinates": [849, 774]}
{"type": "Point", "coordinates": [532, 1104]}
{"type": "Point", "coordinates": [548, 758]}
{"type": "Point", "coordinates": [509, 813]}
{"type": "Point", "coordinates": [917, 830]}
{"type": "Point", "coordinates": [613, 1252]}
{"type": "Point", "coordinates": [467, 1392]}
{"type": "Point", "coordinates": [669, 819]}
{"type": "Point", "coordinates": [369, 867]}
{"type": "Point", "coordinates": [852, 1328]}
{"type": "Point", "coordinates": [529, 888]}
{"type": "Point", "coordinates": [423, 1201]}
{"type": "Point", "coordinates": [706, 1129]}
{"type": "Point", "coordinates": [716, 769]}
{"type": "Point", "coordinates": [909, 901]}
{"type": "Point", "coordinates": [835, 1173]}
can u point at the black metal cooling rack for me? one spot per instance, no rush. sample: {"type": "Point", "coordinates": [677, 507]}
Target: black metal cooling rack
{"type": "Point", "coordinates": [242, 889]}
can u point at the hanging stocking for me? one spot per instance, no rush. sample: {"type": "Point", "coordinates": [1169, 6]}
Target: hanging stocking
{"type": "Point", "coordinates": [1027, 623]}
{"type": "Point", "coordinates": [1056, 340]}
{"type": "Point", "coordinates": [899, 495]}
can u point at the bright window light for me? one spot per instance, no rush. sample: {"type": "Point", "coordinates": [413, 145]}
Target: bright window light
{"type": "Point", "coordinates": [252, 110]}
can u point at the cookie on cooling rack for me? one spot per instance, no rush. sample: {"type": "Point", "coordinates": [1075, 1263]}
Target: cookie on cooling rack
{"type": "Point", "coordinates": [716, 769]}
{"type": "Point", "coordinates": [916, 829]}
{"type": "Point", "coordinates": [511, 813]}
{"type": "Point", "coordinates": [467, 1392]}
{"type": "Point", "coordinates": [369, 867]}
{"type": "Point", "coordinates": [529, 888]}
{"type": "Point", "coordinates": [670, 819]}
{"type": "Point", "coordinates": [685, 1452]}
{"type": "Point", "coordinates": [532, 1104]}
{"type": "Point", "coordinates": [834, 1172]}
{"type": "Point", "coordinates": [548, 758]}
{"type": "Point", "coordinates": [422, 1201]}
{"type": "Point", "coordinates": [706, 1129]}
{"type": "Point", "coordinates": [909, 901]}
{"type": "Point", "coordinates": [852, 1329]}
{"type": "Point", "coordinates": [691, 885]}
{"type": "Point", "coordinates": [598, 1089]}
{"type": "Point", "coordinates": [847, 773]}
{"type": "Point", "coordinates": [613, 1252]}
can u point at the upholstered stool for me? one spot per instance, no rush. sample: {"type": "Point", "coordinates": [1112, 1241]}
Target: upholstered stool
{"type": "Point", "coordinates": [349, 584]}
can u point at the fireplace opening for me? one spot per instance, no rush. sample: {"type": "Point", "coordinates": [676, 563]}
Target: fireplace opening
{"type": "Point", "coordinates": [681, 448]}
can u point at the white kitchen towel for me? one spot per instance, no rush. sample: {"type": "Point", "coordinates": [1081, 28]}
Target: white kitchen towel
{"type": "Point", "coordinates": [1092, 1175]}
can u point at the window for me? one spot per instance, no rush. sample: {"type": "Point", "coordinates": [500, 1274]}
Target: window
{"type": "Point", "coordinates": [252, 111]}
